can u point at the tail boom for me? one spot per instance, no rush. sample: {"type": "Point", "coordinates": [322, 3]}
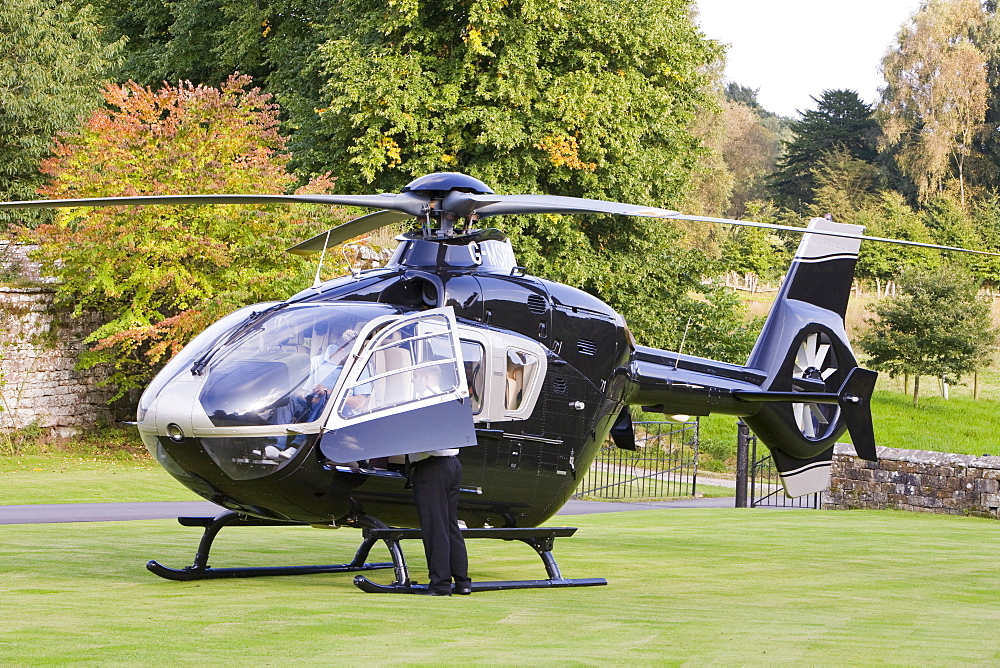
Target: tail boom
{"type": "Point", "coordinates": [801, 388]}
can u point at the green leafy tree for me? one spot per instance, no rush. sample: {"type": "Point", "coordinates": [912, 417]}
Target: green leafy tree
{"type": "Point", "coordinates": [985, 212]}
{"type": "Point", "coordinates": [50, 74]}
{"type": "Point", "coordinates": [938, 327]}
{"type": "Point", "coordinates": [934, 104]}
{"type": "Point", "coordinates": [535, 97]}
{"type": "Point", "coordinates": [844, 185]}
{"type": "Point", "coordinates": [953, 224]}
{"type": "Point", "coordinates": [890, 216]}
{"type": "Point", "coordinates": [754, 250]}
{"type": "Point", "coordinates": [203, 41]}
{"type": "Point", "coordinates": [841, 122]}
{"type": "Point", "coordinates": [527, 95]}
{"type": "Point", "coordinates": [160, 274]}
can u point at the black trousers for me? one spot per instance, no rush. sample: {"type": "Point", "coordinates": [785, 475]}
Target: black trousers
{"type": "Point", "coordinates": [436, 483]}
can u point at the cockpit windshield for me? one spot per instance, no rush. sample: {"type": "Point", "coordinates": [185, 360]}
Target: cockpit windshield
{"type": "Point", "coordinates": [283, 368]}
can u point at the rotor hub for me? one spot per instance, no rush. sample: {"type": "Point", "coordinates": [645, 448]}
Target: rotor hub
{"type": "Point", "coordinates": [440, 183]}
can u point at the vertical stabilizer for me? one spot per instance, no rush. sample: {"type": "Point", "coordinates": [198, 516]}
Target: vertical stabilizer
{"type": "Point", "coordinates": [803, 348]}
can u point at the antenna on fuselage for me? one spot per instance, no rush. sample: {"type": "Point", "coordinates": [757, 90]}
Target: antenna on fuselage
{"type": "Point", "coordinates": [322, 255]}
{"type": "Point", "coordinates": [681, 347]}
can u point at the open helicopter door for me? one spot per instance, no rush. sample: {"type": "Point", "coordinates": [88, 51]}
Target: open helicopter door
{"type": "Point", "coordinates": [406, 392]}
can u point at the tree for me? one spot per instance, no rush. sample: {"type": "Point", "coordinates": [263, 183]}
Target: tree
{"type": "Point", "coordinates": [526, 95]}
{"type": "Point", "coordinates": [50, 73]}
{"type": "Point", "coordinates": [751, 150]}
{"type": "Point", "coordinates": [938, 328]}
{"type": "Point", "coordinates": [890, 216]}
{"type": "Point", "coordinates": [840, 122]}
{"type": "Point", "coordinates": [754, 250]}
{"type": "Point", "coordinates": [934, 102]}
{"type": "Point", "coordinates": [844, 184]}
{"type": "Point", "coordinates": [204, 41]}
{"type": "Point", "coordinates": [530, 96]}
{"type": "Point", "coordinates": [987, 144]}
{"type": "Point", "coordinates": [160, 274]}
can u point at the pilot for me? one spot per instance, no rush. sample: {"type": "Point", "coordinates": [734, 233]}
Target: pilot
{"type": "Point", "coordinates": [436, 477]}
{"type": "Point", "coordinates": [307, 408]}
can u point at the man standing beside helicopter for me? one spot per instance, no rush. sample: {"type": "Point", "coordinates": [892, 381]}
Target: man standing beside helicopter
{"type": "Point", "coordinates": [436, 476]}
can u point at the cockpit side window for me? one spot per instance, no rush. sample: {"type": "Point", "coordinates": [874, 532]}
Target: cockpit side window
{"type": "Point", "coordinates": [283, 369]}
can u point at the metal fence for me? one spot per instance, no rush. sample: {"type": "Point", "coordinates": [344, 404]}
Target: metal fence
{"type": "Point", "coordinates": [766, 490]}
{"type": "Point", "coordinates": [664, 464]}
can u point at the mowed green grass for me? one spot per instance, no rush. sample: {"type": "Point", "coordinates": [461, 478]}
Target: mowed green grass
{"type": "Point", "coordinates": [959, 425]}
{"type": "Point", "coordinates": [706, 586]}
{"type": "Point", "coordinates": [68, 478]}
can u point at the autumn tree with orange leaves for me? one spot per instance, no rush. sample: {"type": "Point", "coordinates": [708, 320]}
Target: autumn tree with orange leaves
{"type": "Point", "coordinates": [160, 274]}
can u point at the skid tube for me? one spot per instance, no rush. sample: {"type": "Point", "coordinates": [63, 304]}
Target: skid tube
{"type": "Point", "coordinates": [541, 539]}
{"type": "Point", "coordinates": [200, 570]}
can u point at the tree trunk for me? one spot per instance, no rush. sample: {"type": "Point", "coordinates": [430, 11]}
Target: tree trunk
{"type": "Point", "coordinates": [961, 178]}
{"type": "Point", "coordinates": [916, 388]}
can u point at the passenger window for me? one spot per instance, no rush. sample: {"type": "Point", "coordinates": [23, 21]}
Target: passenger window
{"type": "Point", "coordinates": [472, 355]}
{"type": "Point", "coordinates": [521, 367]}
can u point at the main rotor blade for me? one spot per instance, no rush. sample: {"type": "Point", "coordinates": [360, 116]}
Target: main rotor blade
{"type": "Point", "coordinates": [409, 203]}
{"type": "Point", "coordinates": [827, 233]}
{"type": "Point", "coordinates": [349, 230]}
{"type": "Point", "coordinates": [533, 204]}
{"type": "Point", "coordinates": [513, 204]}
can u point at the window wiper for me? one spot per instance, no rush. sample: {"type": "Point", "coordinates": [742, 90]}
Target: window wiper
{"type": "Point", "coordinates": [250, 323]}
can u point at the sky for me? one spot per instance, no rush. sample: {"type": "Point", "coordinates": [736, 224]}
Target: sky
{"type": "Point", "coordinates": [793, 49]}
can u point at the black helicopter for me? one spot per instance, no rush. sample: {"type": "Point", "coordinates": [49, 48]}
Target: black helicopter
{"type": "Point", "coordinates": [302, 411]}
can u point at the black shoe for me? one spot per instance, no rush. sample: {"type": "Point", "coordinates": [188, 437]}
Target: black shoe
{"type": "Point", "coordinates": [463, 591]}
{"type": "Point", "coordinates": [434, 592]}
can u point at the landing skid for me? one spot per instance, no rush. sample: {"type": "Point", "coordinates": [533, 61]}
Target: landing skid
{"type": "Point", "coordinates": [541, 539]}
{"type": "Point", "coordinates": [200, 570]}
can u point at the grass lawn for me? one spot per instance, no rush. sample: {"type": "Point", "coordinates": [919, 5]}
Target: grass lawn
{"type": "Point", "coordinates": [97, 477]}
{"type": "Point", "coordinates": [109, 484]}
{"type": "Point", "coordinates": [712, 586]}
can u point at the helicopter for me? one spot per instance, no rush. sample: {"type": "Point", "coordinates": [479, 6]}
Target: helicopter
{"type": "Point", "coordinates": [303, 411]}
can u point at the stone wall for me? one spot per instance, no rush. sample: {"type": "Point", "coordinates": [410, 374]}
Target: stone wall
{"type": "Point", "coordinates": [39, 383]}
{"type": "Point", "coordinates": [915, 480]}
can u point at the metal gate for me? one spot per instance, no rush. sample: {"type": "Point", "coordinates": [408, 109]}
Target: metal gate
{"type": "Point", "coordinates": [664, 464]}
{"type": "Point", "coordinates": [765, 484]}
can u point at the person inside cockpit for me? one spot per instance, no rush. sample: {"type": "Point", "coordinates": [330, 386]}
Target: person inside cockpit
{"type": "Point", "coordinates": [298, 408]}
{"type": "Point", "coordinates": [426, 381]}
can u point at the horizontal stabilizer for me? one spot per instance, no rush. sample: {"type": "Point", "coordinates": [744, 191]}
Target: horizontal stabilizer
{"type": "Point", "coordinates": [854, 399]}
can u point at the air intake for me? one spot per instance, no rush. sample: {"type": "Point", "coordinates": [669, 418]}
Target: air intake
{"type": "Point", "coordinates": [537, 304]}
